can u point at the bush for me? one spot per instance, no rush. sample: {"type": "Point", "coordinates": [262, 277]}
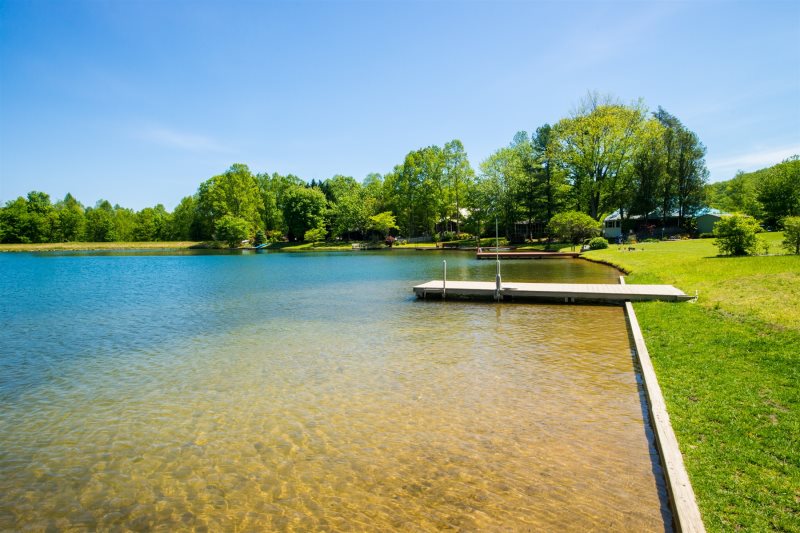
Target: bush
{"type": "Point", "coordinates": [705, 236]}
{"type": "Point", "coordinates": [573, 226]}
{"type": "Point", "coordinates": [448, 235]}
{"type": "Point", "coordinates": [736, 235]}
{"type": "Point", "coordinates": [598, 243]}
{"type": "Point", "coordinates": [315, 235]}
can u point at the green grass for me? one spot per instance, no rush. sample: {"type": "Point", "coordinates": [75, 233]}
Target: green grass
{"type": "Point", "coordinates": [729, 367]}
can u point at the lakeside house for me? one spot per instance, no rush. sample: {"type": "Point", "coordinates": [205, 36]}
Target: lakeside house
{"type": "Point", "coordinates": [653, 225]}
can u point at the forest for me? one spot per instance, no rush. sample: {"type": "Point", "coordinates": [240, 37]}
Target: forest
{"type": "Point", "coordinates": [606, 156]}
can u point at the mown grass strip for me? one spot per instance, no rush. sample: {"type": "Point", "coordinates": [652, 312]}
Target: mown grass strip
{"type": "Point", "coordinates": [729, 369]}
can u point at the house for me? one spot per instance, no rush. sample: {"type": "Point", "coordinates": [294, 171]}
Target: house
{"type": "Point", "coordinates": [706, 218]}
{"type": "Point", "coordinates": [655, 226]}
{"type": "Point", "coordinates": [612, 226]}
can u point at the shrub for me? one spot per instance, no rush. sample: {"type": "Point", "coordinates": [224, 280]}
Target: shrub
{"type": "Point", "coordinates": [705, 236]}
{"type": "Point", "coordinates": [448, 235]}
{"type": "Point", "coordinates": [573, 226]}
{"type": "Point", "coordinates": [598, 243]}
{"type": "Point", "coordinates": [315, 235]}
{"type": "Point", "coordinates": [260, 239]}
{"type": "Point", "coordinates": [736, 235]}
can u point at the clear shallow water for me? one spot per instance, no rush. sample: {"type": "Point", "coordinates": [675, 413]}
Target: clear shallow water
{"type": "Point", "coordinates": [313, 392]}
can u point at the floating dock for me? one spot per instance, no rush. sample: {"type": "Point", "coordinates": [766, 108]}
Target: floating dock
{"type": "Point", "coordinates": [527, 255]}
{"type": "Point", "coordinates": [562, 292]}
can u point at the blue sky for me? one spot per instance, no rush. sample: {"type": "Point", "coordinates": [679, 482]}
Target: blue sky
{"type": "Point", "coordinates": [137, 102]}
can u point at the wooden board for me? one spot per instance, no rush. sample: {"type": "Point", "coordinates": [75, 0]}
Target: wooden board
{"type": "Point", "coordinates": [569, 292]}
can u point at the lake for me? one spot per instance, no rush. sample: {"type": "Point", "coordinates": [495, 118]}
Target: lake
{"type": "Point", "coordinates": [280, 391]}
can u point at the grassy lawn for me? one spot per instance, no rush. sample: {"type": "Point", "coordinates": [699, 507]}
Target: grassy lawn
{"type": "Point", "coordinates": [729, 367]}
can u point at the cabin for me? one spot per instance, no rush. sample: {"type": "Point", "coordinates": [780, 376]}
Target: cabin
{"type": "Point", "coordinates": [654, 226]}
{"type": "Point", "coordinates": [707, 218]}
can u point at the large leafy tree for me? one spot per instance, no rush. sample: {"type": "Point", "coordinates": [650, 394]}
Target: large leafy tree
{"type": "Point", "coordinates": [495, 196]}
{"type": "Point", "coordinates": [648, 168]}
{"type": "Point", "coordinates": [459, 178]}
{"type": "Point", "coordinates": [791, 234]}
{"type": "Point", "coordinates": [100, 226]}
{"type": "Point", "coordinates": [14, 221]}
{"type": "Point", "coordinates": [182, 225]}
{"type": "Point", "coordinates": [416, 189]}
{"type": "Point", "coordinates": [553, 187]}
{"type": "Point", "coordinates": [303, 209]}
{"type": "Point", "coordinates": [273, 190]}
{"type": "Point", "coordinates": [231, 229]}
{"type": "Point", "coordinates": [350, 208]}
{"type": "Point", "coordinates": [152, 224]}
{"type": "Point", "coordinates": [778, 191]}
{"type": "Point", "coordinates": [595, 147]}
{"type": "Point", "coordinates": [683, 188]}
{"type": "Point", "coordinates": [71, 219]}
{"type": "Point", "coordinates": [235, 192]}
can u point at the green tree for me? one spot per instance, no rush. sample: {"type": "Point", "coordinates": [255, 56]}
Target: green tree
{"type": "Point", "coordinates": [151, 224]}
{"type": "Point", "coordinates": [232, 230]}
{"type": "Point", "coordinates": [303, 209]}
{"type": "Point", "coordinates": [235, 192]}
{"type": "Point", "coordinates": [14, 221]}
{"type": "Point", "coordinates": [100, 223]}
{"type": "Point", "coordinates": [383, 223]}
{"type": "Point", "coordinates": [778, 191]}
{"type": "Point", "coordinates": [315, 235]}
{"type": "Point", "coordinates": [124, 223]}
{"type": "Point", "coordinates": [791, 234]}
{"type": "Point", "coordinates": [71, 219]}
{"type": "Point", "coordinates": [350, 208]}
{"type": "Point", "coordinates": [595, 147]}
{"type": "Point", "coordinates": [459, 177]}
{"type": "Point", "coordinates": [686, 173]}
{"type": "Point", "coordinates": [736, 235]}
{"type": "Point", "coordinates": [496, 195]}
{"type": "Point", "coordinates": [573, 226]}
{"type": "Point", "coordinates": [182, 225]}
{"type": "Point", "coordinates": [553, 187]}
{"type": "Point", "coordinates": [649, 169]}
{"type": "Point", "coordinates": [41, 217]}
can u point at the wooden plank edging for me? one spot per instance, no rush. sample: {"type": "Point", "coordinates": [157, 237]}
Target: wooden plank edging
{"type": "Point", "coordinates": [685, 512]}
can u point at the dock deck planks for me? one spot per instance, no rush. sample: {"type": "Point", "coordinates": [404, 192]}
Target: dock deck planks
{"type": "Point", "coordinates": [569, 292]}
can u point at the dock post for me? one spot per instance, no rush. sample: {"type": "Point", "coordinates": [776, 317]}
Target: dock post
{"type": "Point", "coordinates": [444, 279]}
{"type": "Point", "coordinates": [498, 283]}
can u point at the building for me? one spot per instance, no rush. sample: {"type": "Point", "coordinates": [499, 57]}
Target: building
{"type": "Point", "coordinates": [706, 218]}
{"type": "Point", "coordinates": [654, 226]}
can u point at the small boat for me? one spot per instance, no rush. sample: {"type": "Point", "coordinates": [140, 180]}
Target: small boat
{"type": "Point", "coordinates": [262, 245]}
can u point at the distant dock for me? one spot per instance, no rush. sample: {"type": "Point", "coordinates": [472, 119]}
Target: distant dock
{"type": "Point", "coordinates": [527, 255]}
{"type": "Point", "coordinates": [560, 292]}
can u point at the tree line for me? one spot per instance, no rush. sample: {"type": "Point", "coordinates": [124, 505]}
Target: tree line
{"type": "Point", "coordinates": [606, 156]}
{"type": "Point", "coordinates": [768, 195]}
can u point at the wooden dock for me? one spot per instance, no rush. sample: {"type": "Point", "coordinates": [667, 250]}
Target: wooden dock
{"type": "Point", "coordinates": [527, 255]}
{"type": "Point", "coordinates": [563, 292]}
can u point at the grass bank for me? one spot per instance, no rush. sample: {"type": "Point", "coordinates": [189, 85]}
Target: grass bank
{"type": "Point", "coordinates": [729, 368]}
